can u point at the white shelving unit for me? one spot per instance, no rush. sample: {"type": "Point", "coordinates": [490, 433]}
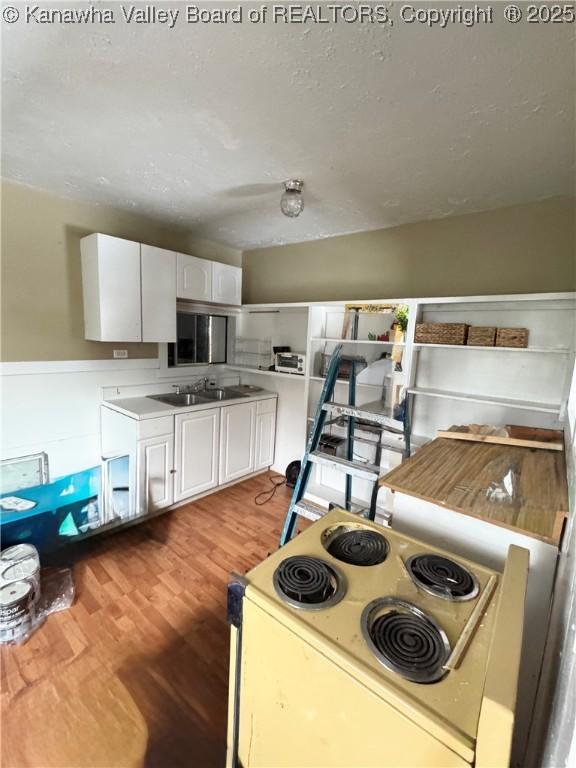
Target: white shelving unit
{"type": "Point", "coordinates": [345, 381]}
{"type": "Point", "coordinates": [361, 341]}
{"type": "Point", "coordinates": [261, 372]}
{"type": "Point", "coordinates": [472, 348]}
{"type": "Point", "coordinates": [527, 386]}
{"type": "Point", "coordinates": [523, 405]}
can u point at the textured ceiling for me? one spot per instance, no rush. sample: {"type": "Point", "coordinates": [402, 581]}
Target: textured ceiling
{"type": "Point", "coordinates": [193, 124]}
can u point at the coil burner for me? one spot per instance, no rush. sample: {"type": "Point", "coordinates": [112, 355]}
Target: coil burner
{"type": "Point", "coordinates": [357, 546]}
{"type": "Point", "coordinates": [442, 577]}
{"type": "Point", "coordinates": [308, 583]}
{"type": "Point", "coordinates": [405, 640]}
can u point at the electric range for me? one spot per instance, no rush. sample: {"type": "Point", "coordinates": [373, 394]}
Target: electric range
{"type": "Point", "coordinates": [354, 645]}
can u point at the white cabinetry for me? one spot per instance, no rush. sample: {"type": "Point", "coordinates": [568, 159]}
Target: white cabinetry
{"type": "Point", "coordinates": [149, 447]}
{"type": "Point", "coordinates": [197, 442]}
{"type": "Point", "coordinates": [226, 284]}
{"type": "Point", "coordinates": [237, 439]}
{"type": "Point", "coordinates": [202, 280]}
{"type": "Point", "coordinates": [155, 473]}
{"type": "Point", "coordinates": [194, 278]}
{"type": "Point", "coordinates": [129, 290]}
{"type": "Point", "coordinates": [247, 436]}
{"type": "Point", "coordinates": [111, 288]}
{"type": "Point", "coordinates": [158, 269]}
{"type": "Point", "coordinates": [265, 434]}
{"type": "Point", "coordinates": [174, 458]}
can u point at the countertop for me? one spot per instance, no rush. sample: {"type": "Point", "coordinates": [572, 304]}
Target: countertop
{"type": "Point", "coordinates": [524, 489]}
{"type": "Point", "coordinates": [145, 408]}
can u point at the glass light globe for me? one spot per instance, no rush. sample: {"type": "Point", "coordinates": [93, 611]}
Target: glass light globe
{"type": "Point", "coordinates": [292, 202]}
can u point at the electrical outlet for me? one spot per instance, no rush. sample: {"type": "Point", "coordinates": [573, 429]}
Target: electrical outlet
{"type": "Point", "coordinates": [120, 354]}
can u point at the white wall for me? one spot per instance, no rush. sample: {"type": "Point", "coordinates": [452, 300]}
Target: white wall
{"type": "Point", "coordinates": [558, 695]}
{"type": "Point", "coordinates": [55, 406]}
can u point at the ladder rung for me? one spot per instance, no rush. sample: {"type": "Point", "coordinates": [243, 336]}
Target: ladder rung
{"type": "Point", "coordinates": [372, 412]}
{"type": "Point", "coordinates": [309, 510]}
{"type": "Point", "coordinates": [365, 441]}
{"type": "Point", "coordinates": [367, 471]}
{"type": "Point", "coordinates": [376, 443]}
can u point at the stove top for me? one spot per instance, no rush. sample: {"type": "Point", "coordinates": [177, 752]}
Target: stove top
{"type": "Point", "coordinates": [356, 545]}
{"type": "Point", "coordinates": [308, 583]}
{"type": "Point", "coordinates": [363, 595]}
{"type": "Point", "coordinates": [442, 577]}
{"type": "Point", "coordinates": [405, 639]}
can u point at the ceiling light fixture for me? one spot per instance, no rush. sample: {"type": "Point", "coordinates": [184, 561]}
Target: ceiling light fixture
{"type": "Point", "coordinates": [292, 202]}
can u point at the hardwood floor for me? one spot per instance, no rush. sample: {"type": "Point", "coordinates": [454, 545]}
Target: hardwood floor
{"type": "Point", "coordinates": [149, 616]}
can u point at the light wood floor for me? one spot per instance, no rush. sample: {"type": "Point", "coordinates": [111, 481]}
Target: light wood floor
{"type": "Point", "coordinates": [150, 612]}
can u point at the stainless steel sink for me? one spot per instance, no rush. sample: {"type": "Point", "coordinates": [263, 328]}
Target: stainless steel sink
{"type": "Point", "coordinates": [221, 394]}
{"type": "Point", "coordinates": [197, 398]}
{"type": "Point", "coordinates": [184, 398]}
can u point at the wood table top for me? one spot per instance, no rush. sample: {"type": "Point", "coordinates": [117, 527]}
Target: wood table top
{"type": "Point", "coordinates": [523, 489]}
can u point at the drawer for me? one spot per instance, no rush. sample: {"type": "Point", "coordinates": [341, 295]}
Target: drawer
{"type": "Point", "coordinates": [266, 406]}
{"type": "Point", "coordinates": [164, 425]}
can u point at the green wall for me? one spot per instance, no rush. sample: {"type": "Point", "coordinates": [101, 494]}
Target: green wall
{"type": "Point", "coordinates": [521, 249]}
{"type": "Point", "coordinates": [42, 312]}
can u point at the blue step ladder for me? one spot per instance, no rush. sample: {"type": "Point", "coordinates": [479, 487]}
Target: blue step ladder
{"type": "Point", "coordinates": [375, 415]}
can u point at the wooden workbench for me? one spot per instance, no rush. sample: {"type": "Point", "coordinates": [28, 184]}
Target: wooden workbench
{"type": "Point", "coordinates": [523, 489]}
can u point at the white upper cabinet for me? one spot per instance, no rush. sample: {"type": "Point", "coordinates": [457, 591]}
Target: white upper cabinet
{"type": "Point", "coordinates": [226, 284]}
{"type": "Point", "coordinates": [194, 278]}
{"type": "Point", "coordinates": [158, 294]}
{"type": "Point", "coordinates": [129, 290]}
{"type": "Point", "coordinates": [111, 288]}
{"type": "Point", "coordinates": [203, 280]}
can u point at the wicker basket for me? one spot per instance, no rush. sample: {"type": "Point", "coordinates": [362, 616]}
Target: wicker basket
{"type": "Point", "coordinates": [481, 336]}
{"type": "Point", "coordinates": [512, 337]}
{"type": "Point", "coordinates": [441, 333]}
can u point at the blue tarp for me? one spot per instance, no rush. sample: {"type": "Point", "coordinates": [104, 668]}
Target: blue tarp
{"type": "Point", "coordinates": [46, 515]}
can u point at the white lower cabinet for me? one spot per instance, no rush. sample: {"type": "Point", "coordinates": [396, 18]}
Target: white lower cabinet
{"type": "Point", "coordinates": [237, 440]}
{"type": "Point", "coordinates": [265, 434]}
{"type": "Point", "coordinates": [155, 473]}
{"type": "Point", "coordinates": [197, 436]}
{"type": "Point", "coordinates": [247, 438]}
{"type": "Point", "coordinates": [173, 458]}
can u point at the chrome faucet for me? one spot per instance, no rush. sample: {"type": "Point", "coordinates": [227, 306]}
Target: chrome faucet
{"type": "Point", "coordinates": [199, 385]}
{"type": "Point", "coordinates": [177, 388]}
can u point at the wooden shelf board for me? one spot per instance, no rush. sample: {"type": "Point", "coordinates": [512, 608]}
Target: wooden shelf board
{"type": "Point", "coordinates": [525, 405]}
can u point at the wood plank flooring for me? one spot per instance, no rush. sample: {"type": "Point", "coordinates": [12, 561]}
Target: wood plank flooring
{"type": "Point", "coordinates": [150, 612]}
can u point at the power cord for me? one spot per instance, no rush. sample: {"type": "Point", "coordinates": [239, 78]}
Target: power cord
{"type": "Point", "coordinates": [269, 494]}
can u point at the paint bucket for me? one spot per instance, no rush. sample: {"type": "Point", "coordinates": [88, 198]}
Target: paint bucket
{"type": "Point", "coordinates": [16, 611]}
{"type": "Point", "coordinates": [21, 563]}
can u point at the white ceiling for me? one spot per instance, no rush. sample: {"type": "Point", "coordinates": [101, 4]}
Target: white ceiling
{"type": "Point", "coordinates": [386, 125]}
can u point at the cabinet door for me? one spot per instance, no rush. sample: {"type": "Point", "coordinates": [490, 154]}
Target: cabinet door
{"type": "Point", "coordinates": [237, 441]}
{"type": "Point", "coordinates": [197, 441]}
{"type": "Point", "coordinates": [111, 288]}
{"type": "Point", "coordinates": [194, 279]}
{"type": "Point", "coordinates": [226, 284]}
{"type": "Point", "coordinates": [265, 436]}
{"type": "Point", "coordinates": [158, 269]}
{"type": "Point", "coordinates": [155, 473]}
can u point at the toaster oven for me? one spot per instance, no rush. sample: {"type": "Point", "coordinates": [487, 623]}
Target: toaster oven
{"type": "Point", "coordinates": [290, 362]}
